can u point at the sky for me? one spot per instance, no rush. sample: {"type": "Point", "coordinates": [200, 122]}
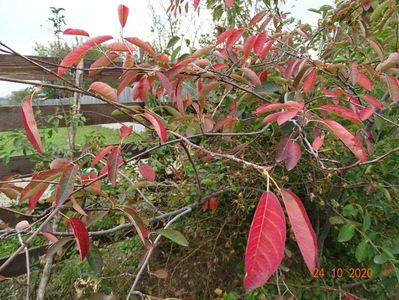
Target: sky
{"type": "Point", "coordinates": [23, 22]}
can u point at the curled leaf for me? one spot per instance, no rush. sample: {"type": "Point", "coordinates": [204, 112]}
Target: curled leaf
{"type": "Point", "coordinates": [29, 123]}
{"type": "Point", "coordinates": [104, 90]}
{"type": "Point", "coordinates": [158, 126]}
{"type": "Point", "coordinates": [123, 13]}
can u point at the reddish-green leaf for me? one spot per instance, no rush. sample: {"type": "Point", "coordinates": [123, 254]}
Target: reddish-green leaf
{"type": "Point", "coordinates": [342, 112]}
{"type": "Point", "coordinates": [251, 75]}
{"type": "Point", "coordinates": [123, 13]}
{"type": "Point", "coordinates": [59, 163]}
{"type": "Point", "coordinates": [81, 236]}
{"type": "Point", "coordinates": [120, 47]}
{"type": "Point", "coordinates": [393, 87]}
{"type": "Point", "coordinates": [303, 230]}
{"type": "Point", "coordinates": [165, 83]}
{"type": "Point", "coordinates": [147, 172]}
{"type": "Point", "coordinates": [138, 224]}
{"type": "Point", "coordinates": [391, 62]}
{"type": "Point", "coordinates": [141, 44]}
{"type": "Point", "coordinates": [349, 139]}
{"type": "Point", "coordinates": [37, 184]}
{"type": "Point", "coordinates": [275, 106]}
{"type": "Point", "coordinates": [29, 123]}
{"type": "Point", "coordinates": [309, 81]}
{"type": "Point", "coordinates": [65, 186]}
{"type": "Point", "coordinates": [161, 274]}
{"type": "Point", "coordinates": [266, 242]}
{"type": "Point", "coordinates": [104, 90]}
{"type": "Point", "coordinates": [101, 154]}
{"type": "Point", "coordinates": [266, 49]}
{"type": "Point", "coordinates": [77, 54]}
{"type": "Point", "coordinates": [102, 62]}
{"type": "Point", "coordinates": [158, 126]}
{"type": "Point", "coordinates": [113, 164]}
{"type": "Point", "coordinates": [377, 48]}
{"type": "Point", "coordinates": [74, 31]}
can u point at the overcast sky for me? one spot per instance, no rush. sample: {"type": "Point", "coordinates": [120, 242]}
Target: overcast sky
{"type": "Point", "coordinates": [23, 22]}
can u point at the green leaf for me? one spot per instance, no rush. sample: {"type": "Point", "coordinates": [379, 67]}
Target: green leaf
{"type": "Point", "coordinates": [395, 249]}
{"type": "Point", "coordinates": [95, 260]}
{"type": "Point", "coordinates": [346, 233]}
{"type": "Point", "coordinates": [173, 40]}
{"type": "Point", "coordinates": [336, 220]}
{"type": "Point", "coordinates": [65, 186]}
{"type": "Point", "coordinates": [380, 258]}
{"type": "Point", "coordinates": [366, 221]}
{"type": "Point", "coordinates": [349, 210]}
{"type": "Point", "coordinates": [363, 250]}
{"type": "Point", "coordinates": [174, 236]}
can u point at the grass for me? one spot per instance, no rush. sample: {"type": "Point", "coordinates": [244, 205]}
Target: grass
{"type": "Point", "coordinates": [56, 138]}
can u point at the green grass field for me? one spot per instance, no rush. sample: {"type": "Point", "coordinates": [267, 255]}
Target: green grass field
{"type": "Point", "coordinates": [84, 135]}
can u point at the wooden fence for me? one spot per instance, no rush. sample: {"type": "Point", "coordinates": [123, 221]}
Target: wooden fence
{"type": "Point", "coordinates": [12, 66]}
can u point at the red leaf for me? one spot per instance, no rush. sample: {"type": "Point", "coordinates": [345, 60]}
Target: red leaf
{"type": "Point", "coordinates": [350, 140]}
{"type": "Point", "coordinates": [102, 62]}
{"type": "Point", "coordinates": [101, 154]}
{"type": "Point", "coordinates": [125, 131]}
{"type": "Point", "coordinates": [266, 49]}
{"type": "Point", "coordinates": [371, 100]}
{"type": "Point", "coordinates": [104, 90]}
{"type": "Point", "coordinates": [65, 186]}
{"type": "Point", "coordinates": [288, 151]}
{"type": "Point", "coordinates": [77, 54]}
{"type": "Point", "coordinates": [260, 42]}
{"type": "Point", "coordinates": [123, 13]}
{"type": "Point", "coordinates": [309, 80]}
{"type": "Point", "coordinates": [251, 75]}
{"type": "Point", "coordinates": [29, 123]}
{"type": "Point", "coordinates": [364, 81]}
{"type": "Point", "coordinates": [256, 18]}
{"type": "Point", "coordinates": [266, 242]}
{"type": "Point", "coordinates": [303, 230]}
{"type": "Point", "coordinates": [229, 3]}
{"type": "Point", "coordinates": [164, 81]}
{"type": "Point", "coordinates": [81, 235]}
{"type": "Point", "coordinates": [74, 31]}
{"type": "Point", "coordinates": [158, 126]}
{"type": "Point", "coordinates": [213, 204]}
{"type": "Point", "coordinates": [120, 47]}
{"type": "Point", "coordinates": [113, 164]}
{"type": "Point", "coordinates": [377, 48]}
{"type": "Point", "coordinates": [147, 172]}
{"type": "Point", "coordinates": [196, 4]}
{"type": "Point", "coordinates": [318, 142]}
{"type": "Point", "coordinates": [141, 44]}
{"type": "Point", "coordinates": [140, 89]}
{"type": "Point", "coordinates": [342, 112]}
{"type": "Point", "coordinates": [234, 37]}
{"type": "Point", "coordinates": [286, 116]}
{"type": "Point", "coordinates": [126, 79]}
{"type": "Point", "coordinates": [366, 113]}
{"type": "Point", "coordinates": [248, 45]}
{"type": "Point", "coordinates": [225, 35]}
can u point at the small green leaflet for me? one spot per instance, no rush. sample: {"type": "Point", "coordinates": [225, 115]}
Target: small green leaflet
{"type": "Point", "coordinates": [346, 233]}
{"type": "Point", "coordinates": [174, 236]}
